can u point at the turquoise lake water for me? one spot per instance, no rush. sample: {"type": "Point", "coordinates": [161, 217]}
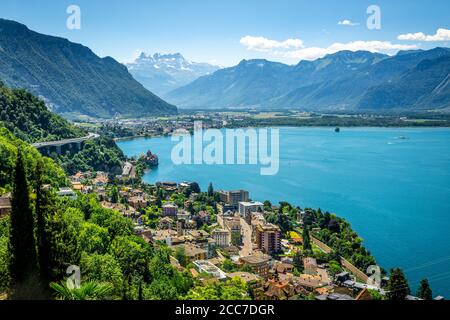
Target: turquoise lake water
{"type": "Point", "coordinates": [395, 192]}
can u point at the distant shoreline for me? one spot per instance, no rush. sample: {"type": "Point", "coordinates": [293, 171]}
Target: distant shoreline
{"type": "Point", "coordinates": [138, 136]}
{"type": "Point", "coordinates": [289, 126]}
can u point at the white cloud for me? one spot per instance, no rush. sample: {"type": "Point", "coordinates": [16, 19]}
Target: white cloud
{"type": "Point", "coordinates": [347, 22]}
{"type": "Point", "coordinates": [263, 44]}
{"type": "Point", "coordinates": [441, 35]}
{"type": "Point", "coordinates": [313, 53]}
{"type": "Point", "coordinates": [297, 50]}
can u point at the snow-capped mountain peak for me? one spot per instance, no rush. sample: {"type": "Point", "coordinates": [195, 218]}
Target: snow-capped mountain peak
{"type": "Point", "coordinates": [161, 73]}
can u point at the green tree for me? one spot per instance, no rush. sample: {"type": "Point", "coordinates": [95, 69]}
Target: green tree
{"type": "Point", "coordinates": [210, 190]}
{"type": "Point", "coordinates": [267, 205]}
{"type": "Point", "coordinates": [102, 269]}
{"type": "Point", "coordinates": [65, 225]}
{"type": "Point", "coordinates": [376, 295]}
{"type": "Point", "coordinates": [398, 287]}
{"type": "Point", "coordinates": [93, 238]}
{"type": "Point", "coordinates": [334, 267]}
{"type": "Point", "coordinates": [194, 187]}
{"type": "Point", "coordinates": [234, 289]}
{"type": "Point", "coordinates": [424, 291]}
{"type": "Point", "coordinates": [43, 205]}
{"type": "Point", "coordinates": [23, 263]}
{"type": "Point", "coordinates": [306, 239]}
{"type": "Point", "coordinates": [167, 283]}
{"type": "Point", "coordinates": [114, 194]}
{"type": "Point", "coordinates": [280, 219]}
{"type": "Point", "coordinates": [116, 224]}
{"type": "Point", "coordinates": [132, 254]}
{"type": "Point", "coordinates": [236, 238]}
{"type": "Point", "coordinates": [4, 253]}
{"type": "Point", "coordinates": [298, 260]}
{"type": "Point", "coordinates": [180, 255]}
{"type": "Point", "coordinates": [190, 207]}
{"type": "Point", "coordinates": [228, 265]}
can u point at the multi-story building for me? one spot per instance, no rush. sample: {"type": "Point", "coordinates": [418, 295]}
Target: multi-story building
{"type": "Point", "coordinates": [246, 208]}
{"type": "Point", "coordinates": [233, 225]}
{"type": "Point", "coordinates": [252, 280]}
{"type": "Point", "coordinates": [192, 252]}
{"type": "Point", "coordinates": [165, 223]}
{"type": "Point", "coordinates": [207, 267]}
{"type": "Point", "coordinates": [233, 197]}
{"type": "Point", "coordinates": [268, 238]}
{"type": "Point", "coordinates": [222, 237]}
{"type": "Point", "coordinates": [226, 209]}
{"type": "Point", "coordinates": [138, 202]}
{"type": "Point", "coordinates": [169, 210]}
{"type": "Point", "coordinates": [259, 263]}
{"type": "Point", "coordinates": [67, 192]}
{"type": "Point", "coordinates": [310, 266]}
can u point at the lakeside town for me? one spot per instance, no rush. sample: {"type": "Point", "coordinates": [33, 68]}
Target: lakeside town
{"type": "Point", "coordinates": [345, 115]}
{"type": "Point", "coordinates": [221, 235]}
{"type": "Point", "coordinates": [161, 126]}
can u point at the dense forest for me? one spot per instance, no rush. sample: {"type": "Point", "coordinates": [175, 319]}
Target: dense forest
{"type": "Point", "coordinates": [9, 147]}
{"type": "Point", "coordinates": [28, 118]}
{"type": "Point", "coordinates": [77, 232]}
{"type": "Point", "coordinates": [101, 154]}
{"type": "Point", "coordinates": [45, 235]}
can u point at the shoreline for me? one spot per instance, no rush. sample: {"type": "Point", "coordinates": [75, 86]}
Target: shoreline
{"type": "Point", "coordinates": [118, 139]}
{"type": "Point", "coordinates": [343, 214]}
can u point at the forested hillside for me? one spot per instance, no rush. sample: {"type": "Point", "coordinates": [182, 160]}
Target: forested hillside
{"type": "Point", "coordinates": [9, 146]}
{"type": "Point", "coordinates": [45, 234]}
{"type": "Point", "coordinates": [28, 118]}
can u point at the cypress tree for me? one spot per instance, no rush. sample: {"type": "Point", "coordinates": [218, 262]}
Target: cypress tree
{"type": "Point", "coordinates": [140, 294]}
{"type": "Point", "coordinates": [306, 239]}
{"type": "Point", "coordinates": [114, 194]}
{"type": "Point", "coordinates": [210, 190]}
{"type": "Point", "coordinates": [22, 242]}
{"type": "Point", "coordinates": [424, 291]}
{"type": "Point", "coordinates": [398, 287]}
{"type": "Point", "coordinates": [43, 204]}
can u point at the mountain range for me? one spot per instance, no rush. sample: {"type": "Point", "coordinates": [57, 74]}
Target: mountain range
{"type": "Point", "coordinates": [345, 80]}
{"type": "Point", "coordinates": [161, 73]}
{"type": "Point", "coordinates": [70, 78]}
{"type": "Point", "coordinates": [74, 81]}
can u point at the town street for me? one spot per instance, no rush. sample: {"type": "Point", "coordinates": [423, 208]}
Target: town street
{"type": "Point", "coordinates": [247, 247]}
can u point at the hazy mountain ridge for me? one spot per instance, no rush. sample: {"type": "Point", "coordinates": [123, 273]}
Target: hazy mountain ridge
{"type": "Point", "coordinates": [340, 81]}
{"type": "Point", "coordinates": [70, 77]}
{"type": "Point", "coordinates": [161, 73]}
{"type": "Point", "coordinates": [425, 86]}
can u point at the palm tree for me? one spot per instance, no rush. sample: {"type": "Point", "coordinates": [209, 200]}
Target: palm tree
{"type": "Point", "coordinates": [87, 291]}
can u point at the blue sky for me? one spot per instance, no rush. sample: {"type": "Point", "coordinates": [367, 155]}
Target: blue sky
{"type": "Point", "coordinates": [227, 31]}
